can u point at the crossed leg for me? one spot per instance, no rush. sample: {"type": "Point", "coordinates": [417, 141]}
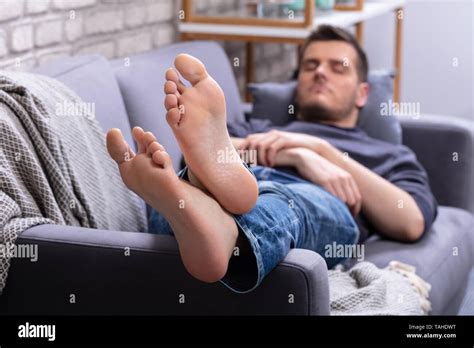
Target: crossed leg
{"type": "Point", "coordinates": [199, 215]}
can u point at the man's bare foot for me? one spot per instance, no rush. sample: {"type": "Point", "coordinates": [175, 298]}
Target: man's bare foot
{"type": "Point", "coordinates": [145, 138]}
{"type": "Point", "coordinates": [206, 233]}
{"type": "Point", "coordinates": [197, 116]}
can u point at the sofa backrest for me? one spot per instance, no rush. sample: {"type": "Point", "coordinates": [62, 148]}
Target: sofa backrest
{"type": "Point", "coordinates": [141, 79]}
{"type": "Point", "coordinates": [92, 78]}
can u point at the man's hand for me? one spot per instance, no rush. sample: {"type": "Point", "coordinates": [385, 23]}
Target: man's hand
{"type": "Point", "coordinates": [268, 144]}
{"type": "Point", "coordinates": [315, 159]}
{"type": "Point", "coordinates": [332, 178]}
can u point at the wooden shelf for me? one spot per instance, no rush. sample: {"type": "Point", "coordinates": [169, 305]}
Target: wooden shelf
{"type": "Point", "coordinates": [226, 30]}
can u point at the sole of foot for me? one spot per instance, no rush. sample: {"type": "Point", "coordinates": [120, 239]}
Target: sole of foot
{"type": "Point", "coordinates": [197, 116]}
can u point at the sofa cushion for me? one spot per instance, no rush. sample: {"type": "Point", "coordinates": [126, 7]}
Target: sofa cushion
{"type": "Point", "coordinates": [272, 100]}
{"type": "Point", "coordinates": [91, 77]}
{"type": "Point", "coordinates": [443, 257]}
{"type": "Point", "coordinates": [142, 77]}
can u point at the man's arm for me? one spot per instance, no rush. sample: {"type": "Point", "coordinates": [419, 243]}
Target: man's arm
{"type": "Point", "coordinates": [390, 209]}
{"type": "Point", "coordinates": [318, 170]}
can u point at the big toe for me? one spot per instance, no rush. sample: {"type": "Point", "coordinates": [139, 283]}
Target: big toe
{"type": "Point", "coordinates": [117, 147]}
{"type": "Point", "coordinates": [191, 68]}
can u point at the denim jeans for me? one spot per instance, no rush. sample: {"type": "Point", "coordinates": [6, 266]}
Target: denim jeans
{"type": "Point", "coordinates": [290, 213]}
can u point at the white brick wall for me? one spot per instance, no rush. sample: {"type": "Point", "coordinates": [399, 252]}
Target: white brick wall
{"type": "Point", "coordinates": [160, 11]}
{"type": "Point", "coordinates": [48, 32]}
{"type": "Point", "coordinates": [72, 4]}
{"type": "Point", "coordinates": [104, 22]}
{"type": "Point", "coordinates": [164, 34]}
{"type": "Point", "coordinates": [135, 16]}
{"type": "Point", "coordinates": [22, 37]}
{"type": "Point", "coordinates": [105, 48]}
{"type": "Point", "coordinates": [3, 43]}
{"type": "Point", "coordinates": [135, 43]}
{"type": "Point", "coordinates": [73, 28]}
{"type": "Point", "coordinates": [49, 54]}
{"type": "Point", "coordinates": [10, 9]}
{"type": "Point", "coordinates": [33, 32]}
{"type": "Point", "coordinates": [36, 6]}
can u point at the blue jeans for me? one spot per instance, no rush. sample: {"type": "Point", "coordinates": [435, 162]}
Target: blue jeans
{"type": "Point", "coordinates": [290, 213]}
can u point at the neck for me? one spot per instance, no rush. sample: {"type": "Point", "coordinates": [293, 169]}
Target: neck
{"type": "Point", "coordinates": [347, 122]}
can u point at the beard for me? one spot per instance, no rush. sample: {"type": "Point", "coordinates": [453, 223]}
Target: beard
{"type": "Point", "coordinates": [318, 112]}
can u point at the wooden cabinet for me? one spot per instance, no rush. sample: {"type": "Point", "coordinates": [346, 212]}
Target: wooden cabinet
{"type": "Point", "coordinates": [281, 21]}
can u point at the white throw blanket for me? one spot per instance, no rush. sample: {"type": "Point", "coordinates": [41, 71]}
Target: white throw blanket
{"type": "Point", "coordinates": [54, 167]}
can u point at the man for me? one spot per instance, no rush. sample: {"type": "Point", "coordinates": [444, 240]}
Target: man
{"type": "Point", "coordinates": [233, 228]}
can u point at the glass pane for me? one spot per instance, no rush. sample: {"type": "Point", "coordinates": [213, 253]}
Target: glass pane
{"type": "Point", "coordinates": [252, 9]}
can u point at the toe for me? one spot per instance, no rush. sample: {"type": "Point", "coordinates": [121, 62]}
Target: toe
{"type": "Point", "coordinates": [162, 159]}
{"type": "Point", "coordinates": [171, 88]}
{"type": "Point", "coordinates": [117, 147]}
{"type": "Point", "coordinates": [138, 135]}
{"type": "Point", "coordinates": [173, 76]}
{"type": "Point", "coordinates": [148, 138]}
{"type": "Point", "coordinates": [191, 68]}
{"type": "Point", "coordinates": [155, 146]}
{"type": "Point", "coordinates": [173, 116]}
{"type": "Point", "coordinates": [171, 101]}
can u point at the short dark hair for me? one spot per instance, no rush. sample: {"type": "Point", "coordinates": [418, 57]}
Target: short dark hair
{"type": "Point", "coordinates": [330, 33]}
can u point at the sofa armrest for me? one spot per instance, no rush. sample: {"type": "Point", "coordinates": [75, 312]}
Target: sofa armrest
{"type": "Point", "coordinates": [87, 271]}
{"type": "Point", "coordinates": [247, 109]}
{"type": "Point", "coordinates": [444, 146]}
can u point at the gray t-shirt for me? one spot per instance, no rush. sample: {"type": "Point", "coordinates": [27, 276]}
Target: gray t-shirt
{"type": "Point", "coordinates": [395, 163]}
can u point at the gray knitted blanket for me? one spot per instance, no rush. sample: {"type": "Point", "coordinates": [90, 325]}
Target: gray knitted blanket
{"type": "Point", "coordinates": [368, 290]}
{"type": "Point", "coordinates": [54, 167]}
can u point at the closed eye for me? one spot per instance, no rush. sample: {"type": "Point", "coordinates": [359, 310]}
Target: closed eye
{"type": "Point", "coordinates": [338, 67]}
{"type": "Point", "coordinates": [310, 65]}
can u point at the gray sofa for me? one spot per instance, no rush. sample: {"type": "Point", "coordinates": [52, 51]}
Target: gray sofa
{"type": "Point", "coordinates": [90, 263]}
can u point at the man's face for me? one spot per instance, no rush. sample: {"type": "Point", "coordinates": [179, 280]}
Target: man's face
{"type": "Point", "coordinates": [328, 85]}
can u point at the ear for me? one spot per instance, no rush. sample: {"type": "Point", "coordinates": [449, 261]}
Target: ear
{"type": "Point", "coordinates": [362, 94]}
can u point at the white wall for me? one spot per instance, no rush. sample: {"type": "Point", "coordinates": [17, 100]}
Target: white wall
{"type": "Point", "coordinates": [435, 32]}
{"type": "Point", "coordinates": [33, 32]}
